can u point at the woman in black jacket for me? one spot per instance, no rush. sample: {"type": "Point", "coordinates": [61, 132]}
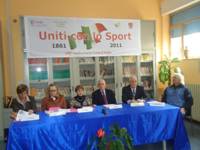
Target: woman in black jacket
{"type": "Point", "coordinates": [23, 101]}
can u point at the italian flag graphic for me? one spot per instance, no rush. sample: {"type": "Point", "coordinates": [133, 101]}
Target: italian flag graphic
{"type": "Point", "coordinates": [96, 29]}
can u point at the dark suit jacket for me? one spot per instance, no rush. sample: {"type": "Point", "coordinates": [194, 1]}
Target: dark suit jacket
{"type": "Point", "coordinates": [128, 95]}
{"type": "Point", "coordinates": [16, 106]}
{"type": "Point", "coordinates": [97, 97]}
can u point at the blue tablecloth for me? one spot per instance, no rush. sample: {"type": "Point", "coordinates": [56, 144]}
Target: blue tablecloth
{"type": "Point", "coordinates": [74, 131]}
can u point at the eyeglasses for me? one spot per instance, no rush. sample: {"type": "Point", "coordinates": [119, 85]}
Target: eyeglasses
{"type": "Point", "coordinates": [52, 90]}
{"type": "Point", "coordinates": [23, 93]}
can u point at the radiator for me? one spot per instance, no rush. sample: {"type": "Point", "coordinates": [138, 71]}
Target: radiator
{"type": "Point", "coordinates": [195, 90]}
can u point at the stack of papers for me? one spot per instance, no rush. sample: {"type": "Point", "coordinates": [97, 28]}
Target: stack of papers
{"type": "Point", "coordinates": [113, 106]}
{"type": "Point", "coordinates": [135, 104]}
{"type": "Point", "coordinates": [25, 116]}
{"type": "Point", "coordinates": [156, 103]}
{"type": "Point", "coordinates": [58, 112]}
{"type": "Point", "coordinates": [85, 109]}
{"type": "Point", "coordinates": [72, 110]}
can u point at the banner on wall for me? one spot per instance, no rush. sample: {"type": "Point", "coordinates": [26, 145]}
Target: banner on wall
{"type": "Point", "coordinates": [77, 37]}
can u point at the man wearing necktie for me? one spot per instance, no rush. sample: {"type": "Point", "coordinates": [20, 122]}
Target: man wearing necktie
{"type": "Point", "coordinates": [132, 91]}
{"type": "Point", "coordinates": [103, 95]}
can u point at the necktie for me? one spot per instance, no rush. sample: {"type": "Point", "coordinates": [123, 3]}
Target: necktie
{"type": "Point", "coordinates": [133, 92]}
{"type": "Point", "coordinates": [104, 97]}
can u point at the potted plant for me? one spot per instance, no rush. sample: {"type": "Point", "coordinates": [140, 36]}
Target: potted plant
{"type": "Point", "coordinates": [165, 69]}
{"type": "Point", "coordinates": [115, 139]}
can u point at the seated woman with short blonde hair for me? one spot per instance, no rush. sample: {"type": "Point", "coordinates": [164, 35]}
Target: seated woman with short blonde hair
{"type": "Point", "coordinates": [53, 99]}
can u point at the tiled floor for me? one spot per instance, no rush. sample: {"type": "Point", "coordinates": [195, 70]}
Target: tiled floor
{"type": "Point", "coordinates": [193, 133]}
{"type": "Point", "coordinates": [2, 145]}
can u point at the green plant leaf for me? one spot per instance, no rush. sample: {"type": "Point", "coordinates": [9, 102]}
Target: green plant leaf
{"type": "Point", "coordinates": [116, 145]}
{"type": "Point", "coordinates": [115, 129]}
{"type": "Point", "coordinates": [123, 132]}
{"type": "Point", "coordinates": [162, 78]}
{"type": "Point", "coordinates": [166, 65]}
{"type": "Point", "coordinates": [129, 144]}
{"type": "Point", "coordinates": [118, 139]}
{"type": "Point", "coordinates": [167, 77]}
{"type": "Point", "coordinates": [162, 68]}
{"type": "Point", "coordinates": [175, 60]}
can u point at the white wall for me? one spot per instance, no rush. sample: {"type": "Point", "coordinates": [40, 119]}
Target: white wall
{"type": "Point", "coordinates": [170, 6]}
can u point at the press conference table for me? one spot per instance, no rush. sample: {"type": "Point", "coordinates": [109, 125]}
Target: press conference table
{"type": "Point", "coordinates": [74, 131]}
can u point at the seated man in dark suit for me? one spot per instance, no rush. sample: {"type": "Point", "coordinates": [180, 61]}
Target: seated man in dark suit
{"type": "Point", "coordinates": [132, 91]}
{"type": "Point", "coordinates": [102, 95]}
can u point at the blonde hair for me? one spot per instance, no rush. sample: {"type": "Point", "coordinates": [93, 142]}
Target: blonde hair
{"type": "Point", "coordinates": [48, 89]}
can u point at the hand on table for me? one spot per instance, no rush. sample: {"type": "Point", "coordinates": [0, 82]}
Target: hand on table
{"type": "Point", "coordinates": [129, 101]}
{"type": "Point", "coordinates": [141, 100]}
{"type": "Point", "coordinates": [13, 115]}
{"type": "Point", "coordinates": [30, 111]}
{"type": "Point", "coordinates": [183, 111]}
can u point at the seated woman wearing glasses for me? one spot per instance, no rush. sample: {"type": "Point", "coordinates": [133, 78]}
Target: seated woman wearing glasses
{"type": "Point", "coordinates": [53, 99]}
{"type": "Point", "coordinates": [80, 99]}
{"type": "Point", "coordinates": [23, 101]}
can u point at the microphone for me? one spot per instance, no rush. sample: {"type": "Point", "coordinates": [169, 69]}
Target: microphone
{"type": "Point", "coordinates": [53, 98]}
{"type": "Point", "coordinates": [104, 111]}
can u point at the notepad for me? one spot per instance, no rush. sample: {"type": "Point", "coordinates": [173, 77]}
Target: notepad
{"type": "Point", "coordinates": [113, 106]}
{"type": "Point", "coordinates": [85, 109]}
{"type": "Point", "coordinates": [136, 104]}
{"type": "Point", "coordinates": [58, 112]}
{"type": "Point", "coordinates": [72, 110]}
{"type": "Point", "coordinates": [25, 116]}
{"type": "Point", "coordinates": [156, 103]}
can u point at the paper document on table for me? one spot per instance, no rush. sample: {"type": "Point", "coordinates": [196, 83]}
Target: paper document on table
{"type": "Point", "coordinates": [85, 109]}
{"type": "Point", "coordinates": [113, 106]}
{"type": "Point", "coordinates": [58, 112]}
{"type": "Point", "coordinates": [72, 110]}
{"type": "Point", "coordinates": [136, 104]}
{"type": "Point", "coordinates": [25, 116]}
{"type": "Point", "coordinates": [156, 103]}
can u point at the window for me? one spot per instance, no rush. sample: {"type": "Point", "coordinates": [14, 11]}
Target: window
{"type": "Point", "coordinates": [191, 39]}
{"type": "Point", "coordinates": [176, 45]}
{"type": "Point", "coordinates": [185, 33]}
